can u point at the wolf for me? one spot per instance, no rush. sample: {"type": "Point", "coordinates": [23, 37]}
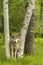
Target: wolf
{"type": "Point", "coordinates": [14, 45]}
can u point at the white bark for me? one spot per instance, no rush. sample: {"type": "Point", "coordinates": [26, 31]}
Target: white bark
{"type": "Point", "coordinates": [6, 27]}
{"type": "Point", "coordinates": [25, 28]}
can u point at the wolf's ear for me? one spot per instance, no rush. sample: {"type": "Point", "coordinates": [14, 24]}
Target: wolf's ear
{"type": "Point", "coordinates": [19, 34]}
{"type": "Point", "coordinates": [12, 35]}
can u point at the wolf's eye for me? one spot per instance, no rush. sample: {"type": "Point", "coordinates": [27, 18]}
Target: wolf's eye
{"type": "Point", "coordinates": [14, 41]}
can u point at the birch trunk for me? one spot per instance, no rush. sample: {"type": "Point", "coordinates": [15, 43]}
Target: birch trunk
{"type": "Point", "coordinates": [6, 27]}
{"type": "Point", "coordinates": [29, 44]}
{"type": "Point", "coordinates": [25, 28]}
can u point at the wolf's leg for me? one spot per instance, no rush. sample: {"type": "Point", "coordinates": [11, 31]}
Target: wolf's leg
{"type": "Point", "coordinates": [12, 53]}
{"type": "Point", "coordinates": [15, 53]}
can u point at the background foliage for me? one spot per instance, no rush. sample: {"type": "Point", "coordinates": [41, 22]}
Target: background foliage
{"type": "Point", "coordinates": [37, 19]}
{"type": "Point", "coordinates": [17, 12]}
{"type": "Point", "coordinates": [16, 15]}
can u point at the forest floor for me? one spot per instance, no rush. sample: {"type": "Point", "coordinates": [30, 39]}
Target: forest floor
{"type": "Point", "coordinates": [35, 59]}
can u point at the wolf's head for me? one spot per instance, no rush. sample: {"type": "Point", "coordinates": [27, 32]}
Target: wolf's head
{"type": "Point", "coordinates": [15, 39]}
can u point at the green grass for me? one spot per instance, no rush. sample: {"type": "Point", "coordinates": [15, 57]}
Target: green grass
{"type": "Point", "coordinates": [35, 59]}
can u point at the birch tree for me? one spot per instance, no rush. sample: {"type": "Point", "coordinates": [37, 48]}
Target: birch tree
{"type": "Point", "coordinates": [24, 29]}
{"type": "Point", "coordinates": [6, 27]}
{"type": "Point", "coordinates": [29, 43]}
